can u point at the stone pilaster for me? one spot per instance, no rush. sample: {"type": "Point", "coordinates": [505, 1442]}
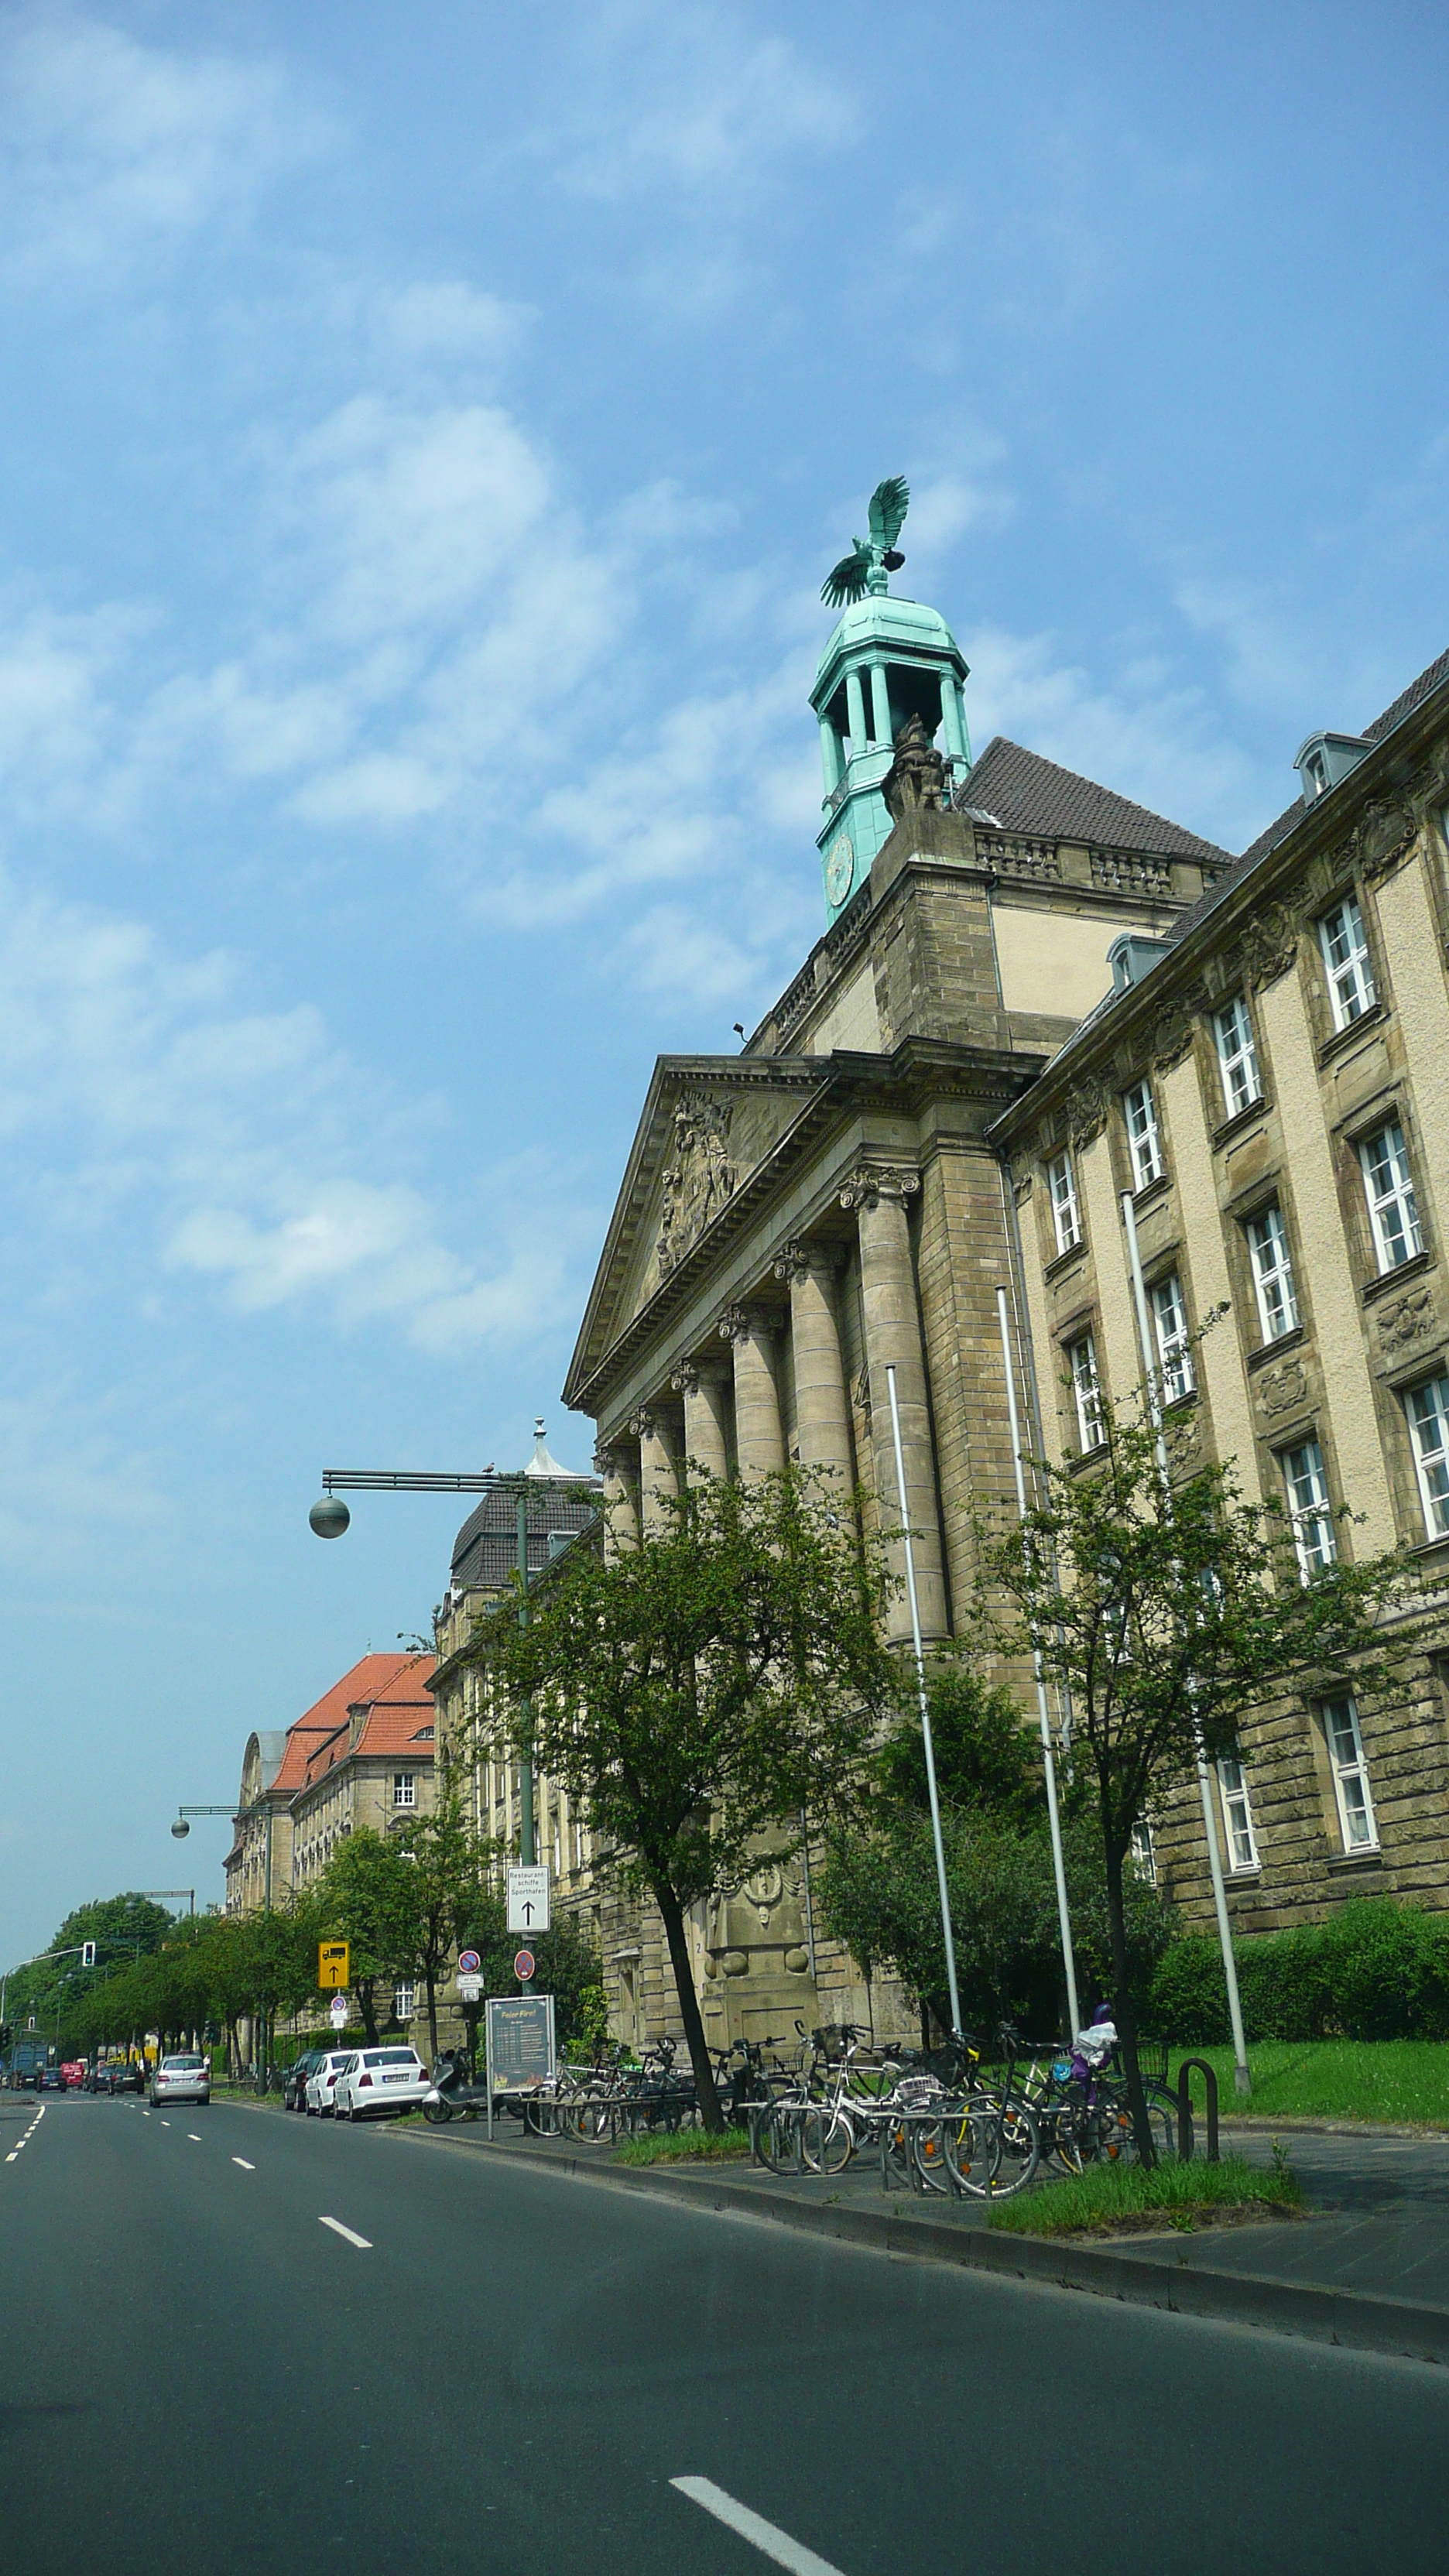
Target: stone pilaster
{"type": "Point", "coordinates": [759, 1438]}
{"type": "Point", "coordinates": [878, 1195]}
{"type": "Point", "coordinates": [658, 1482]}
{"type": "Point", "coordinates": [704, 1386]}
{"type": "Point", "coordinates": [621, 1504]}
{"type": "Point", "coordinates": [822, 1406]}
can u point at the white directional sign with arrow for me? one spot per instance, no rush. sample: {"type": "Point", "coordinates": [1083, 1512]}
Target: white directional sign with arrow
{"type": "Point", "coordinates": [528, 1900]}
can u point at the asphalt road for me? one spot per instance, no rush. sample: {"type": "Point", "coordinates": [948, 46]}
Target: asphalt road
{"type": "Point", "coordinates": [197, 2374]}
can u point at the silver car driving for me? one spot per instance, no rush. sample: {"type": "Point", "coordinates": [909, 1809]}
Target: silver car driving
{"type": "Point", "coordinates": [180, 2079]}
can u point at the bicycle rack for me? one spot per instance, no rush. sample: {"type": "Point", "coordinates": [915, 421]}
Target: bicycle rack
{"type": "Point", "coordinates": [1200, 2066]}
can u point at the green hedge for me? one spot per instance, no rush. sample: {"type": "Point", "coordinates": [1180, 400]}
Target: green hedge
{"type": "Point", "coordinates": [1374, 1970]}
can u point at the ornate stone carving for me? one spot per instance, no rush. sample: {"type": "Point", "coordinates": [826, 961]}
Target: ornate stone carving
{"type": "Point", "coordinates": [645, 1423]}
{"type": "Point", "coordinates": [701, 1176]}
{"type": "Point", "coordinates": [609, 1461]}
{"type": "Point", "coordinates": [1381, 835]}
{"type": "Point", "coordinates": [685, 1380]}
{"type": "Point", "coordinates": [734, 1324]}
{"type": "Point", "coordinates": [1406, 1319]}
{"type": "Point", "coordinates": [1172, 1030]}
{"type": "Point", "coordinates": [876, 1181]}
{"type": "Point", "coordinates": [1085, 1110]}
{"type": "Point", "coordinates": [1269, 944]}
{"type": "Point", "coordinates": [1282, 1389]}
{"type": "Point", "coordinates": [915, 782]}
{"type": "Point", "coordinates": [796, 1260]}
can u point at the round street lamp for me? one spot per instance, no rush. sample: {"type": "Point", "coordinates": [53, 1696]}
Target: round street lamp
{"type": "Point", "coordinates": [329, 1516]}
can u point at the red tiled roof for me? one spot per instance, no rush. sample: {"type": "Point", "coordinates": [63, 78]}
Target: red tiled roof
{"type": "Point", "coordinates": [396, 1678]}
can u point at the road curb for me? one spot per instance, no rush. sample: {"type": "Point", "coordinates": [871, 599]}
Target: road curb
{"type": "Point", "coordinates": [1175, 2285]}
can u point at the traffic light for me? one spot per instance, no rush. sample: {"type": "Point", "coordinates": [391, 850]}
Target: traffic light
{"type": "Point", "coordinates": [88, 1954]}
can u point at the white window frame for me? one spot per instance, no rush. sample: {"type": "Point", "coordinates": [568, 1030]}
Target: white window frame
{"type": "Point", "coordinates": [1346, 962]}
{"type": "Point", "coordinates": [404, 1789]}
{"type": "Point", "coordinates": [1066, 1215]}
{"type": "Point", "coordinates": [1174, 1348]}
{"type": "Point", "coordinates": [1087, 1388]}
{"type": "Point", "coordinates": [1346, 1760]}
{"type": "Point", "coordinates": [1237, 1809]}
{"type": "Point", "coordinates": [1144, 1141]}
{"type": "Point", "coordinates": [1272, 1273]}
{"type": "Point", "coordinates": [1389, 1189]}
{"type": "Point", "coordinates": [1305, 1484]}
{"type": "Point", "coordinates": [1427, 1407]}
{"type": "Point", "coordinates": [1144, 1850]}
{"type": "Point", "coordinates": [1237, 1056]}
{"type": "Point", "coordinates": [404, 1999]}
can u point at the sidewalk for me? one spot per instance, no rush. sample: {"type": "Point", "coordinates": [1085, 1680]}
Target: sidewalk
{"type": "Point", "coordinates": [1371, 2272]}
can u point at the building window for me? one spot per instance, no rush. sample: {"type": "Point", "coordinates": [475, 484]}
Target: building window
{"type": "Point", "coordinates": [1144, 1854]}
{"type": "Point", "coordinates": [1143, 1142]}
{"type": "Point", "coordinates": [404, 1999]}
{"type": "Point", "coordinates": [1174, 1352]}
{"type": "Point", "coordinates": [1306, 1486]}
{"type": "Point", "coordinates": [1346, 957]}
{"type": "Point", "coordinates": [1086, 1387]}
{"type": "Point", "coordinates": [1237, 1057]}
{"type": "Point", "coordinates": [403, 1792]}
{"type": "Point", "coordinates": [1272, 1274]}
{"type": "Point", "coordinates": [1428, 1408]}
{"type": "Point", "coordinates": [1350, 1774]}
{"type": "Point", "coordinates": [1065, 1216]}
{"type": "Point", "coordinates": [1237, 1814]}
{"type": "Point", "coordinates": [1389, 1187]}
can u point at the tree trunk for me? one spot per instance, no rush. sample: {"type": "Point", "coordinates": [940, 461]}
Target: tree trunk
{"type": "Point", "coordinates": [365, 2006]}
{"type": "Point", "coordinates": [699, 2057]}
{"type": "Point", "coordinates": [431, 1985]}
{"type": "Point", "coordinates": [1123, 2013]}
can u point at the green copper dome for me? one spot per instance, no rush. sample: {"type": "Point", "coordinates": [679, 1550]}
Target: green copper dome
{"type": "Point", "coordinates": [895, 626]}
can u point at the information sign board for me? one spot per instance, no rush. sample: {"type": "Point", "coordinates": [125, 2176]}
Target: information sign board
{"type": "Point", "coordinates": [469, 1987]}
{"type": "Point", "coordinates": [528, 1899]}
{"type": "Point", "coordinates": [520, 2039]}
{"type": "Point", "coordinates": [331, 1965]}
{"type": "Point", "coordinates": [338, 2010]}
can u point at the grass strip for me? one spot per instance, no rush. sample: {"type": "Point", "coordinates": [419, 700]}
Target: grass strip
{"type": "Point", "coordinates": [1111, 2200]}
{"type": "Point", "coordinates": [684, 2146]}
{"type": "Point", "coordinates": [1404, 2082]}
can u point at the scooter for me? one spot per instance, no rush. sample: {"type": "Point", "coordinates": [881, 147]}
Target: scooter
{"type": "Point", "coordinates": [451, 2093]}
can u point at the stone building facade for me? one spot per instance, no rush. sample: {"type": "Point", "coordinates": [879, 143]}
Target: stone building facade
{"type": "Point", "coordinates": [1270, 1086]}
{"type": "Point", "coordinates": [361, 1755]}
{"type": "Point", "coordinates": [830, 1204]}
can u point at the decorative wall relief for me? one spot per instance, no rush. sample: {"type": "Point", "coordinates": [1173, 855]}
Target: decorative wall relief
{"type": "Point", "coordinates": [1085, 1110]}
{"type": "Point", "coordinates": [701, 1177]}
{"type": "Point", "coordinates": [1269, 944]}
{"type": "Point", "coordinates": [1407, 1319]}
{"type": "Point", "coordinates": [1282, 1389]}
{"type": "Point", "coordinates": [1383, 833]}
{"type": "Point", "coordinates": [1172, 1029]}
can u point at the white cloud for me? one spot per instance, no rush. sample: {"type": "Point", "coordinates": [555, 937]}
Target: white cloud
{"type": "Point", "coordinates": [686, 100]}
{"type": "Point", "coordinates": [112, 147]}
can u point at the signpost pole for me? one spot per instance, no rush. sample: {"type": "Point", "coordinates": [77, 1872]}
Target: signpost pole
{"type": "Point", "coordinates": [526, 1851]}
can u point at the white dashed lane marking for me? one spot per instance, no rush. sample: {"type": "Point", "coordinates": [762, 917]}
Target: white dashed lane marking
{"type": "Point", "coordinates": [241, 2160]}
{"type": "Point", "coordinates": [195, 2140]}
{"type": "Point", "coordinates": [363, 2242]}
{"type": "Point", "coordinates": [767, 2537]}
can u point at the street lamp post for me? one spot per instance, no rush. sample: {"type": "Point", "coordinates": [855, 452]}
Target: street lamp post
{"type": "Point", "coordinates": [330, 1518]}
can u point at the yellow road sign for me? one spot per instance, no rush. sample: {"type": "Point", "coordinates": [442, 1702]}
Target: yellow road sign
{"type": "Point", "coordinates": [331, 1964]}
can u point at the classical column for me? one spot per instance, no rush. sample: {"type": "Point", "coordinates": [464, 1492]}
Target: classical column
{"type": "Point", "coordinates": [855, 703]}
{"type": "Point", "coordinates": [657, 1481]}
{"type": "Point", "coordinates": [759, 1441]}
{"type": "Point", "coordinates": [703, 1385]}
{"type": "Point", "coordinates": [822, 1406]}
{"type": "Point", "coordinates": [621, 1509]}
{"type": "Point", "coordinates": [880, 698]}
{"type": "Point", "coordinates": [878, 1194]}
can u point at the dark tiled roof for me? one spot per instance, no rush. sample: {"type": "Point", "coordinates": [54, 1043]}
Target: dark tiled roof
{"type": "Point", "coordinates": [1413, 696]}
{"type": "Point", "coordinates": [485, 1551]}
{"type": "Point", "coordinates": [1032, 795]}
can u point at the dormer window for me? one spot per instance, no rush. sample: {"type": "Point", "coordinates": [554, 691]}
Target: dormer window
{"type": "Point", "coordinates": [1325, 758]}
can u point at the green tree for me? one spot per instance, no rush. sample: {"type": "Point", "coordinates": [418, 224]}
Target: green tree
{"type": "Point", "coordinates": [568, 1966]}
{"type": "Point", "coordinates": [442, 1883]}
{"type": "Point", "coordinates": [985, 1758]}
{"type": "Point", "coordinates": [367, 1897]}
{"type": "Point", "coordinates": [694, 1690]}
{"type": "Point", "coordinates": [1170, 1611]}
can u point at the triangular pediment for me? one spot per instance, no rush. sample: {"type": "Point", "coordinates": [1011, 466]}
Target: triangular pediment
{"type": "Point", "coordinates": [709, 1123]}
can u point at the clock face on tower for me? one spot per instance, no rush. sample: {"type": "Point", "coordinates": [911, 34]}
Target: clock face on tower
{"type": "Point", "coordinates": [839, 867]}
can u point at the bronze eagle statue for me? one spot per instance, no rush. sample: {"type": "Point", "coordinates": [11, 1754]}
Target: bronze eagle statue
{"type": "Point", "coordinates": [865, 567]}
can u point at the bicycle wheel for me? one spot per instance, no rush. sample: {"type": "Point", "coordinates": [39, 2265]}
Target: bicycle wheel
{"type": "Point", "coordinates": [932, 2152]}
{"type": "Point", "coordinates": [827, 2140]}
{"type": "Point", "coordinates": [972, 2147]}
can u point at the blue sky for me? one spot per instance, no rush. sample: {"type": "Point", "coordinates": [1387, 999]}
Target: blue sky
{"type": "Point", "coordinates": [424, 435]}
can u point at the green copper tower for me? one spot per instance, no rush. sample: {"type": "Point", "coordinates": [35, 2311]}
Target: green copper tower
{"type": "Point", "coordinates": [887, 660]}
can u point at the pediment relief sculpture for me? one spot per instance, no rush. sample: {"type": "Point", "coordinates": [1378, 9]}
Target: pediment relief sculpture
{"type": "Point", "coordinates": [1406, 1319]}
{"type": "Point", "coordinates": [1282, 1389]}
{"type": "Point", "coordinates": [1269, 944]}
{"type": "Point", "coordinates": [1382, 835]}
{"type": "Point", "coordinates": [1085, 1111]}
{"type": "Point", "coordinates": [700, 1177]}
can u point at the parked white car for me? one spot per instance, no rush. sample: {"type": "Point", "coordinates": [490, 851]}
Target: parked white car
{"type": "Point", "coordinates": [181, 2079]}
{"type": "Point", "coordinates": [379, 2080]}
{"type": "Point", "coordinates": [323, 2080]}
